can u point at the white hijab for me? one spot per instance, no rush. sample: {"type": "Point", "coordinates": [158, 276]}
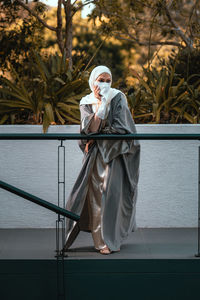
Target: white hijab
{"type": "Point", "coordinates": [91, 99]}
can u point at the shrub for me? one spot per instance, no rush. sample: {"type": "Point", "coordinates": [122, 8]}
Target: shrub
{"type": "Point", "coordinates": [50, 95]}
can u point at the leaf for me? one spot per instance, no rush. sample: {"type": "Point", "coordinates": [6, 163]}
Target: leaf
{"type": "Point", "coordinates": [25, 92]}
{"type": "Point", "coordinates": [49, 112]}
{"type": "Point", "coordinates": [41, 67]}
{"type": "Point", "coordinates": [69, 75]}
{"type": "Point", "coordinates": [66, 107]}
{"type": "Point", "coordinates": [17, 96]}
{"type": "Point", "coordinates": [143, 115]}
{"type": "Point", "coordinates": [69, 87]}
{"type": "Point", "coordinates": [164, 103]}
{"type": "Point", "coordinates": [186, 115]}
{"type": "Point", "coordinates": [70, 118]}
{"type": "Point", "coordinates": [12, 117]}
{"type": "Point", "coordinates": [181, 96]}
{"type": "Point", "coordinates": [155, 107]}
{"type": "Point", "coordinates": [46, 123]}
{"type": "Point", "coordinates": [11, 85]}
{"type": "Point", "coordinates": [14, 104]}
{"type": "Point", "coordinates": [4, 119]}
{"type": "Point", "coordinates": [54, 65]}
{"type": "Point", "coordinates": [145, 85]}
{"type": "Point", "coordinates": [192, 76]}
{"type": "Point", "coordinates": [171, 76]}
{"type": "Point", "coordinates": [158, 91]}
{"type": "Point", "coordinates": [59, 80]}
{"type": "Point", "coordinates": [64, 62]}
{"type": "Point", "coordinates": [62, 121]}
{"type": "Point", "coordinates": [180, 83]}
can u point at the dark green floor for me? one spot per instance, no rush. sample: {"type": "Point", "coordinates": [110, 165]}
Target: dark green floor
{"type": "Point", "coordinates": [157, 264]}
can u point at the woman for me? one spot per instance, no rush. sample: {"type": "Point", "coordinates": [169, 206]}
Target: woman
{"type": "Point", "coordinates": [105, 192]}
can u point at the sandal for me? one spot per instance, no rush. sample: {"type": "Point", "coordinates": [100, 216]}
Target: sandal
{"type": "Point", "coordinates": [105, 251]}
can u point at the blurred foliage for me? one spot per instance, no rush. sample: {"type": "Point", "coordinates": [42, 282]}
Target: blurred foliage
{"type": "Point", "coordinates": [158, 99]}
{"type": "Point", "coordinates": [109, 53]}
{"type": "Point", "coordinates": [49, 96]}
{"type": "Point", "coordinates": [144, 21]}
{"type": "Point", "coordinates": [90, 45]}
{"type": "Point", "coordinates": [150, 25]}
{"type": "Point", "coordinates": [19, 33]}
{"type": "Point", "coordinates": [38, 89]}
{"type": "Point", "coordinates": [187, 64]}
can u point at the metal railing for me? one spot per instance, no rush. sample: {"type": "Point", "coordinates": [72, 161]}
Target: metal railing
{"type": "Point", "coordinates": [50, 206]}
{"type": "Point", "coordinates": [61, 211]}
{"type": "Point", "coordinates": [77, 136]}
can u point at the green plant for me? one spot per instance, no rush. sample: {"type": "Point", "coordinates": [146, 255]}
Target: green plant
{"type": "Point", "coordinates": [50, 95]}
{"type": "Point", "coordinates": [187, 64]}
{"type": "Point", "coordinates": [158, 100]}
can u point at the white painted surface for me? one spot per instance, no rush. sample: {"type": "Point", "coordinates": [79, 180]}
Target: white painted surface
{"type": "Point", "coordinates": [167, 195]}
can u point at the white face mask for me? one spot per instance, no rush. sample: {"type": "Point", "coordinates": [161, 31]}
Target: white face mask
{"type": "Point", "coordinates": [104, 87]}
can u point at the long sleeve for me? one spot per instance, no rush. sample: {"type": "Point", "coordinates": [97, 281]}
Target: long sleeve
{"type": "Point", "coordinates": [87, 117]}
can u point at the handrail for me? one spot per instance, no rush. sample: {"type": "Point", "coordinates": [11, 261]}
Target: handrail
{"type": "Point", "coordinates": [77, 136]}
{"type": "Point", "coordinates": [39, 201]}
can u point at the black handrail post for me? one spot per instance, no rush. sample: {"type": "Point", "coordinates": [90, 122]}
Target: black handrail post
{"type": "Point", "coordinates": [60, 236]}
{"type": "Point", "coordinates": [198, 251]}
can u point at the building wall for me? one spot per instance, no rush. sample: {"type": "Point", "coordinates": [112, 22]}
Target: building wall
{"type": "Point", "coordinates": [168, 185]}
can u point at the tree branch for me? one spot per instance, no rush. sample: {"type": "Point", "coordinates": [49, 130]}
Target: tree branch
{"type": "Point", "coordinates": [153, 43]}
{"type": "Point", "coordinates": [191, 14]}
{"type": "Point", "coordinates": [192, 9]}
{"type": "Point", "coordinates": [33, 13]}
{"type": "Point", "coordinates": [80, 7]}
{"type": "Point", "coordinates": [74, 2]}
{"type": "Point", "coordinates": [188, 42]}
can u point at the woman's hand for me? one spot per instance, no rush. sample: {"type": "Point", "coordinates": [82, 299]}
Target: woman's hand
{"type": "Point", "coordinates": [94, 126]}
{"type": "Point", "coordinates": [96, 92]}
{"type": "Point", "coordinates": [87, 146]}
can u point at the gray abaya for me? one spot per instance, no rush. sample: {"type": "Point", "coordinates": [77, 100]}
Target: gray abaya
{"type": "Point", "coordinates": [105, 191]}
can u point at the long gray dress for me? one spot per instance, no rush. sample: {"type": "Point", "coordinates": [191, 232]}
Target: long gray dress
{"type": "Point", "coordinates": [105, 192]}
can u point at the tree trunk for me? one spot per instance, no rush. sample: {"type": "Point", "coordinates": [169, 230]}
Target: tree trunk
{"type": "Point", "coordinates": [64, 43]}
{"type": "Point", "coordinates": [68, 31]}
{"type": "Point", "coordinates": [59, 27]}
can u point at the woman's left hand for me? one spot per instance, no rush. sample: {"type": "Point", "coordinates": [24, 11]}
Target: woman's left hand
{"type": "Point", "coordinates": [87, 146]}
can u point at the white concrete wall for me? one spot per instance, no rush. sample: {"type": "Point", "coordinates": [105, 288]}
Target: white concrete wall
{"type": "Point", "coordinates": [167, 195]}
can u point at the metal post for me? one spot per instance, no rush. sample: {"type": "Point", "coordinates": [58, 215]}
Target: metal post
{"type": "Point", "coordinates": [60, 224]}
{"type": "Point", "coordinates": [198, 253]}
{"type": "Point", "coordinates": [60, 278]}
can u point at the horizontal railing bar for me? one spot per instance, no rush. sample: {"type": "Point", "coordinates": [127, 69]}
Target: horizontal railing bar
{"type": "Point", "coordinates": [39, 201]}
{"type": "Point", "coordinates": [77, 136]}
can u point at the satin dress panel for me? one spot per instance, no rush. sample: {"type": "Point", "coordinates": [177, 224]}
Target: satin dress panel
{"type": "Point", "coordinates": [97, 184]}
